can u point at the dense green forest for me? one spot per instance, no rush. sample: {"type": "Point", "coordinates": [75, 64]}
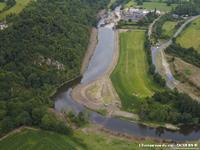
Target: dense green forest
{"type": "Point", "coordinates": [189, 55]}
{"type": "Point", "coordinates": [171, 107]}
{"type": "Point", "coordinates": [40, 50]}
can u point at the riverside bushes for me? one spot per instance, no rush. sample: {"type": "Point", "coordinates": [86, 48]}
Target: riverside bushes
{"type": "Point", "coordinates": [189, 55]}
{"type": "Point", "coordinates": [171, 107]}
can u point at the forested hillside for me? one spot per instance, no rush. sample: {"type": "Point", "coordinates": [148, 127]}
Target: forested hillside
{"type": "Point", "coordinates": [41, 49]}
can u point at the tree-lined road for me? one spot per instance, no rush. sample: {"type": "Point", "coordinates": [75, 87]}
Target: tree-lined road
{"type": "Point", "coordinates": [156, 50]}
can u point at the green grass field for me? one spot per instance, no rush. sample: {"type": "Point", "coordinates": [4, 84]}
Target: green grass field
{"type": "Point", "coordinates": [43, 140]}
{"type": "Point", "coordinates": [2, 6]}
{"type": "Point", "coordinates": [131, 3]}
{"type": "Point", "coordinates": [158, 4]}
{"type": "Point", "coordinates": [168, 28]}
{"type": "Point", "coordinates": [130, 77]}
{"type": "Point", "coordinates": [190, 36]}
{"type": "Point", "coordinates": [20, 5]}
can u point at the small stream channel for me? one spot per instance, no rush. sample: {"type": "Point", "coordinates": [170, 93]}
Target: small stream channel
{"type": "Point", "coordinates": [99, 63]}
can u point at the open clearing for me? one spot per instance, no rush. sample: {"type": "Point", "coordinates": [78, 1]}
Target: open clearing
{"type": "Point", "coordinates": [85, 139]}
{"type": "Point", "coordinates": [20, 5]}
{"type": "Point", "coordinates": [168, 28]}
{"type": "Point", "coordinates": [190, 36]}
{"type": "Point", "coordinates": [130, 77]}
{"type": "Point", "coordinates": [2, 6]}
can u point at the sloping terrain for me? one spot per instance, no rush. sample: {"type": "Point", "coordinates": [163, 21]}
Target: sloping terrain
{"type": "Point", "coordinates": [42, 49]}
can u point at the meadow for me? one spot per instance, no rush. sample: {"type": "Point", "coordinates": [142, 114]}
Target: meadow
{"type": "Point", "coordinates": [158, 5]}
{"type": "Point", "coordinates": [168, 28]}
{"type": "Point", "coordinates": [29, 139]}
{"type": "Point", "coordinates": [190, 36]}
{"type": "Point", "coordinates": [162, 6]}
{"type": "Point", "coordinates": [2, 6]}
{"type": "Point", "coordinates": [130, 77]}
{"type": "Point", "coordinates": [19, 6]}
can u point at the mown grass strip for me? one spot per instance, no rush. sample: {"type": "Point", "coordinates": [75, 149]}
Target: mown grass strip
{"type": "Point", "coordinates": [130, 77]}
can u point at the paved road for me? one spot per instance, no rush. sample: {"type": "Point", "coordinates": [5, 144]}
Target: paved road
{"type": "Point", "coordinates": [170, 80]}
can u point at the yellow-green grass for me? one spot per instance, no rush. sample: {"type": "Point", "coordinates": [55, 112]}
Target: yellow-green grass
{"type": "Point", "coordinates": [168, 28]}
{"type": "Point", "coordinates": [2, 6]}
{"type": "Point", "coordinates": [43, 140]}
{"type": "Point", "coordinates": [19, 6]}
{"type": "Point", "coordinates": [190, 36]}
{"type": "Point", "coordinates": [111, 2]}
{"type": "Point", "coordinates": [131, 3]}
{"type": "Point", "coordinates": [158, 5]}
{"type": "Point", "coordinates": [130, 77]}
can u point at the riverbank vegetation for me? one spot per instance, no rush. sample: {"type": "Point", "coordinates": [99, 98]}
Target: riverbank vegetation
{"type": "Point", "coordinates": [85, 139]}
{"type": "Point", "coordinates": [171, 107]}
{"type": "Point", "coordinates": [190, 36]}
{"type": "Point", "coordinates": [41, 50]}
{"type": "Point", "coordinates": [130, 77]}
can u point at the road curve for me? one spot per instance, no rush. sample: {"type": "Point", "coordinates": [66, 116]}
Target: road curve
{"type": "Point", "coordinates": [170, 80]}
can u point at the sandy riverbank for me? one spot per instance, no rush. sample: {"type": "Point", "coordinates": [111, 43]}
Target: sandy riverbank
{"type": "Point", "coordinates": [100, 94]}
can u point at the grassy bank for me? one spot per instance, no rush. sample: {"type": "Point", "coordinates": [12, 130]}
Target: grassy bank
{"type": "Point", "coordinates": [40, 140]}
{"type": "Point", "coordinates": [190, 36]}
{"type": "Point", "coordinates": [130, 77]}
{"type": "Point", "coordinates": [19, 6]}
{"type": "Point", "coordinates": [168, 28]}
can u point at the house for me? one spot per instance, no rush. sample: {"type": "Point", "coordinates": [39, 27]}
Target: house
{"type": "Point", "coordinates": [133, 14]}
{"type": "Point", "coordinates": [3, 25]}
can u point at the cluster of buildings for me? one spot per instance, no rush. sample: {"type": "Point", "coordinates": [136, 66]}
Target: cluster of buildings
{"type": "Point", "coordinates": [135, 14]}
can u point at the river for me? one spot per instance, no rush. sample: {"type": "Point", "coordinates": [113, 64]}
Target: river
{"type": "Point", "coordinates": [98, 64]}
